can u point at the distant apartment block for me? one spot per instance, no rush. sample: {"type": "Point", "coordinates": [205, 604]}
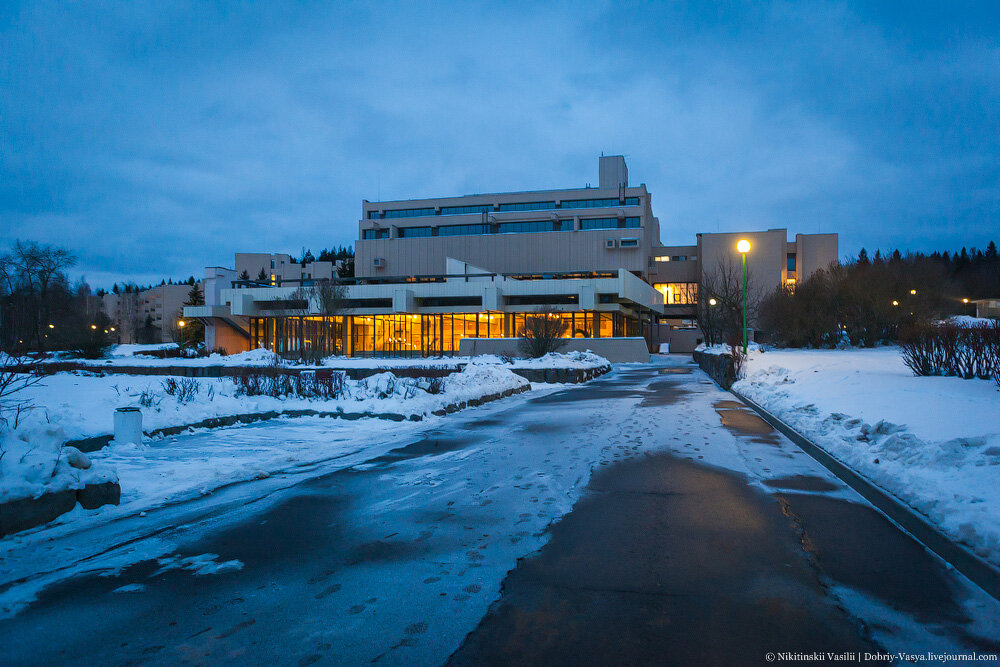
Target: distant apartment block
{"type": "Point", "coordinates": [148, 316]}
{"type": "Point", "coordinates": [280, 269]}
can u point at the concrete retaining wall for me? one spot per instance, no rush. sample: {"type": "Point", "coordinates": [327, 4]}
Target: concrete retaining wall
{"type": "Point", "coordinates": [233, 371]}
{"type": "Point", "coordinates": [720, 367]}
{"type": "Point", "coordinates": [25, 513]}
{"type": "Point", "coordinates": [615, 350]}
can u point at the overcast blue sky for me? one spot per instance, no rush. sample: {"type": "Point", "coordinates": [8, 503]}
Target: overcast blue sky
{"type": "Point", "coordinates": [157, 138]}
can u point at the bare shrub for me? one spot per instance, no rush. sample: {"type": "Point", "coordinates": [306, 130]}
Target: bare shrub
{"type": "Point", "coordinates": [435, 386]}
{"type": "Point", "coordinates": [945, 348]}
{"type": "Point", "coordinates": [16, 375]}
{"type": "Point", "coordinates": [276, 383]}
{"type": "Point", "coordinates": [148, 398]}
{"type": "Point", "coordinates": [542, 333]}
{"type": "Point", "coordinates": [184, 389]}
{"type": "Point", "coordinates": [739, 362]}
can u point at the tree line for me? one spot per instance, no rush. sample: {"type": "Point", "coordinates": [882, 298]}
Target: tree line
{"type": "Point", "coordinates": [41, 310]}
{"type": "Point", "coordinates": [868, 300]}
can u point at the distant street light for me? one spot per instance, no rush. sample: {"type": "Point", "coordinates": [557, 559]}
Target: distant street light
{"type": "Point", "coordinates": [94, 327]}
{"type": "Point", "coordinates": [913, 291]}
{"type": "Point", "coordinates": [181, 323]}
{"type": "Point", "coordinates": [744, 247]}
{"type": "Point", "coordinates": [712, 302]}
{"type": "Point", "coordinates": [52, 326]}
{"type": "Point", "coordinates": [895, 303]}
{"type": "Point", "coordinates": [965, 301]}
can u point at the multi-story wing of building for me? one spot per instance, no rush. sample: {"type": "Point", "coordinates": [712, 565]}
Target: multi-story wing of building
{"type": "Point", "coordinates": [431, 272]}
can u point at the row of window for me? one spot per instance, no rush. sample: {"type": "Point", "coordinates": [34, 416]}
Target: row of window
{"type": "Point", "coordinates": [675, 258]}
{"type": "Point", "coordinates": [505, 228]}
{"type": "Point", "coordinates": [488, 208]}
{"type": "Point", "coordinates": [609, 223]}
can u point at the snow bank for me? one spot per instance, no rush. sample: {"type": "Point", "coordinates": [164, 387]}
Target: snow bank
{"type": "Point", "coordinates": [128, 350]}
{"type": "Point", "coordinates": [934, 442]}
{"type": "Point", "coordinates": [722, 348]}
{"type": "Point", "coordinates": [35, 462]}
{"type": "Point", "coordinates": [122, 355]}
{"type": "Point", "coordinates": [970, 321]}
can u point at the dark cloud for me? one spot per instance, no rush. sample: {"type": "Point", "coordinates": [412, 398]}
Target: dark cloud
{"type": "Point", "coordinates": [159, 138]}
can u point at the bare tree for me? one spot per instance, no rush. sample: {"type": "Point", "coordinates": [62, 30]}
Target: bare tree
{"type": "Point", "coordinates": [128, 314]}
{"type": "Point", "coordinates": [16, 375]}
{"type": "Point", "coordinates": [542, 333]}
{"type": "Point", "coordinates": [722, 322]}
{"type": "Point", "coordinates": [329, 297]}
{"type": "Point", "coordinates": [40, 266]}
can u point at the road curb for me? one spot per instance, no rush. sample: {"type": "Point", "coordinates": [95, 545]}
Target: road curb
{"type": "Point", "coordinates": [959, 557]}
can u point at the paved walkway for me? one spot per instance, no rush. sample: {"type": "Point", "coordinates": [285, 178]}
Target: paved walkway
{"type": "Point", "coordinates": [644, 518]}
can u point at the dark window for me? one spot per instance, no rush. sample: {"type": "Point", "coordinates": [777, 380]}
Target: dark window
{"type": "Point", "coordinates": [415, 232]}
{"type": "Point", "coordinates": [458, 210]}
{"type": "Point", "coordinates": [791, 261]}
{"type": "Point", "coordinates": [373, 215]}
{"type": "Point", "coordinates": [463, 230]}
{"type": "Point", "coordinates": [590, 203]}
{"type": "Point", "coordinates": [409, 213]}
{"type": "Point", "coordinates": [533, 226]}
{"type": "Point", "coordinates": [631, 201]}
{"type": "Point", "coordinates": [565, 225]}
{"type": "Point", "coordinates": [375, 234]}
{"type": "Point", "coordinates": [529, 206]}
{"type": "Point", "coordinates": [629, 243]}
{"type": "Point", "coordinates": [609, 223]}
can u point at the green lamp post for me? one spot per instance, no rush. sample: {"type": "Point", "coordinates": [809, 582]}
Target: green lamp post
{"type": "Point", "coordinates": [744, 247]}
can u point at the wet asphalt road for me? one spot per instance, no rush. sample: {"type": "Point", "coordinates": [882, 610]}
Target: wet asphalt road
{"type": "Point", "coordinates": [426, 555]}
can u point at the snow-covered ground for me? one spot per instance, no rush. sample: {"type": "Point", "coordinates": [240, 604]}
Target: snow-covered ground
{"type": "Point", "coordinates": [69, 406]}
{"type": "Point", "coordinates": [934, 442]}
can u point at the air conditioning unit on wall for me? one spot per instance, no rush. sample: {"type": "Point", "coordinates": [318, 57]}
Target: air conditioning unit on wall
{"type": "Point", "coordinates": [378, 262]}
{"type": "Point", "coordinates": [610, 243]}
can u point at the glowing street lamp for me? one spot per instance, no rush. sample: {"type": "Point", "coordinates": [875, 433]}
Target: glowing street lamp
{"type": "Point", "coordinates": [181, 323]}
{"type": "Point", "coordinates": [712, 302]}
{"type": "Point", "coordinates": [965, 301]}
{"type": "Point", "coordinates": [744, 247]}
{"type": "Point", "coordinates": [913, 291]}
{"type": "Point", "coordinates": [895, 303]}
{"type": "Point", "coordinates": [94, 327]}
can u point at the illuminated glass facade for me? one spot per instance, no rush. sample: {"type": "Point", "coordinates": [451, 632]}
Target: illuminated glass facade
{"type": "Point", "coordinates": [417, 335]}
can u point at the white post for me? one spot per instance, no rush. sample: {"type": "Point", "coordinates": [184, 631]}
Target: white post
{"type": "Point", "coordinates": [128, 426]}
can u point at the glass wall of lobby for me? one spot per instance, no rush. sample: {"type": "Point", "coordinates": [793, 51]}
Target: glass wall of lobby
{"type": "Point", "coordinates": [416, 335]}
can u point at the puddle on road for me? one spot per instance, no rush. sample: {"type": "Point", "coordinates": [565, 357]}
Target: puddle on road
{"type": "Point", "coordinates": [801, 483]}
{"type": "Point", "coordinates": [431, 445]}
{"type": "Point", "coordinates": [487, 422]}
{"type": "Point", "coordinates": [742, 421]}
{"type": "Point", "coordinates": [663, 393]}
{"type": "Point", "coordinates": [675, 371]}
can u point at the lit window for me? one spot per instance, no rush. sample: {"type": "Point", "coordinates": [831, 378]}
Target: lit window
{"type": "Point", "coordinates": [678, 294]}
{"type": "Point", "coordinates": [663, 258]}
